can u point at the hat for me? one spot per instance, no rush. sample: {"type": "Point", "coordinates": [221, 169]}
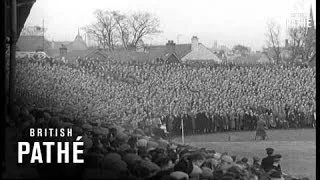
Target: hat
{"type": "Point", "coordinates": [236, 170]}
{"type": "Point", "coordinates": [196, 170]}
{"type": "Point", "coordinates": [113, 157]}
{"type": "Point", "coordinates": [124, 147]}
{"type": "Point", "coordinates": [113, 161]}
{"type": "Point", "coordinates": [214, 162]}
{"type": "Point", "coordinates": [196, 156]}
{"type": "Point", "coordinates": [152, 167]}
{"type": "Point", "coordinates": [163, 143]}
{"type": "Point", "coordinates": [256, 158]}
{"type": "Point", "coordinates": [93, 159]}
{"type": "Point", "coordinates": [179, 175]}
{"type": "Point", "coordinates": [131, 158]}
{"type": "Point", "coordinates": [87, 142]}
{"type": "Point", "coordinates": [152, 144]}
{"type": "Point", "coordinates": [269, 150]}
{"type": "Point", "coordinates": [227, 158]}
{"type": "Point", "coordinates": [122, 136]}
{"type": "Point", "coordinates": [119, 166]}
{"type": "Point", "coordinates": [139, 131]}
{"type": "Point", "coordinates": [217, 156]}
{"type": "Point", "coordinates": [206, 172]}
{"type": "Point", "coordinates": [244, 159]}
{"type": "Point", "coordinates": [142, 143]}
{"type": "Point", "coordinates": [277, 157]}
{"type": "Point", "coordinates": [77, 129]}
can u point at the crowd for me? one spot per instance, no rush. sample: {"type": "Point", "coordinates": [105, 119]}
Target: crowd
{"type": "Point", "coordinates": [209, 98]}
{"type": "Point", "coordinates": [118, 108]}
{"type": "Point", "coordinates": [112, 152]}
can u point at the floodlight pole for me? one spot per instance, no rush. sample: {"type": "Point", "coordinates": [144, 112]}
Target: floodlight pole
{"type": "Point", "coordinates": [43, 34]}
{"type": "Point", "coordinates": [182, 131]}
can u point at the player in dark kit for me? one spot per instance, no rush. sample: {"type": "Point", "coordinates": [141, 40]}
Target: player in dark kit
{"type": "Point", "coordinates": [261, 129]}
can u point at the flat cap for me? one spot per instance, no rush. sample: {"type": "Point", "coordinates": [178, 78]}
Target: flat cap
{"type": "Point", "coordinates": [256, 158]}
{"type": "Point", "coordinates": [269, 149]}
{"type": "Point", "coordinates": [277, 156]}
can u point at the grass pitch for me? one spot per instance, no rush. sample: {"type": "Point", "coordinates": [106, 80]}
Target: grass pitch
{"type": "Point", "coordinates": [297, 147]}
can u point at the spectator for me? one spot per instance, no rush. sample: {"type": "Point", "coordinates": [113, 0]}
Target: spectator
{"type": "Point", "coordinates": [267, 162]}
{"type": "Point", "coordinates": [275, 172]}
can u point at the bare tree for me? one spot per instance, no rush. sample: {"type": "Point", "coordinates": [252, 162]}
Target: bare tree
{"type": "Point", "coordinates": [243, 50]}
{"type": "Point", "coordinates": [113, 27]}
{"type": "Point", "coordinates": [142, 24]}
{"type": "Point", "coordinates": [29, 30]}
{"type": "Point", "coordinates": [121, 21]}
{"type": "Point", "coordinates": [296, 42]}
{"type": "Point", "coordinates": [103, 30]}
{"type": "Point", "coordinates": [309, 52]}
{"type": "Point", "coordinates": [302, 43]}
{"type": "Point", "coordinates": [273, 40]}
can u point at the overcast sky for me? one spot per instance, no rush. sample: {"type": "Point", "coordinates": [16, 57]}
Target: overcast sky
{"type": "Point", "coordinates": [227, 21]}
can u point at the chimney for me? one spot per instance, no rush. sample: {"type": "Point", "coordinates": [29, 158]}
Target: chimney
{"type": "Point", "coordinates": [215, 45]}
{"type": "Point", "coordinates": [194, 43]}
{"type": "Point", "coordinates": [286, 43]}
{"type": "Point", "coordinates": [170, 47]}
{"type": "Point", "coordinates": [63, 51]}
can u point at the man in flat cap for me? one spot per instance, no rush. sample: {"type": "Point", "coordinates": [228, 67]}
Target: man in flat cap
{"type": "Point", "coordinates": [267, 162]}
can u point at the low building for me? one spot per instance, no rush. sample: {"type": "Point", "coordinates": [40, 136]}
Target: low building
{"type": "Point", "coordinates": [169, 53]}
{"type": "Point", "coordinates": [199, 52]}
{"type": "Point", "coordinates": [33, 43]}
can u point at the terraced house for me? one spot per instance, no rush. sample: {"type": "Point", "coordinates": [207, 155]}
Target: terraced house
{"type": "Point", "coordinates": [169, 53]}
{"type": "Point", "coordinates": [194, 51]}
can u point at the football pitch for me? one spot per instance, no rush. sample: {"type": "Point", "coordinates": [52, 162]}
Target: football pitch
{"type": "Point", "coordinates": [297, 147]}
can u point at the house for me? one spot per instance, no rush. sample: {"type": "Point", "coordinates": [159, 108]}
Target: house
{"type": "Point", "coordinates": [199, 52]}
{"type": "Point", "coordinates": [77, 44]}
{"type": "Point", "coordinates": [170, 53]}
{"type": "Point", "coordinates": [32, 43]}
{"type": "Point", "coordinates": [194, 51]}
{"type": "Point", "coordinates": [75, 48]}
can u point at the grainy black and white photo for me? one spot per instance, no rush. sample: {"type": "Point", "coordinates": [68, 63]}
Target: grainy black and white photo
{"type": "Point", "coordinates": [159, 89]}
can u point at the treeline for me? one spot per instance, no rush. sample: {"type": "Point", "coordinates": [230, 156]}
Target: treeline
{"type": "Point", "coordinates": [112, 29]}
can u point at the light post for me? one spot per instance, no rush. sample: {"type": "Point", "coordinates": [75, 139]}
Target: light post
{"type": "Point", "coordinates": [182, 131]}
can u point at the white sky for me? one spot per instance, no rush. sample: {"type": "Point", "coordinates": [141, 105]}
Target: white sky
{"type": "Point", "coordinates": [229, 22]}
